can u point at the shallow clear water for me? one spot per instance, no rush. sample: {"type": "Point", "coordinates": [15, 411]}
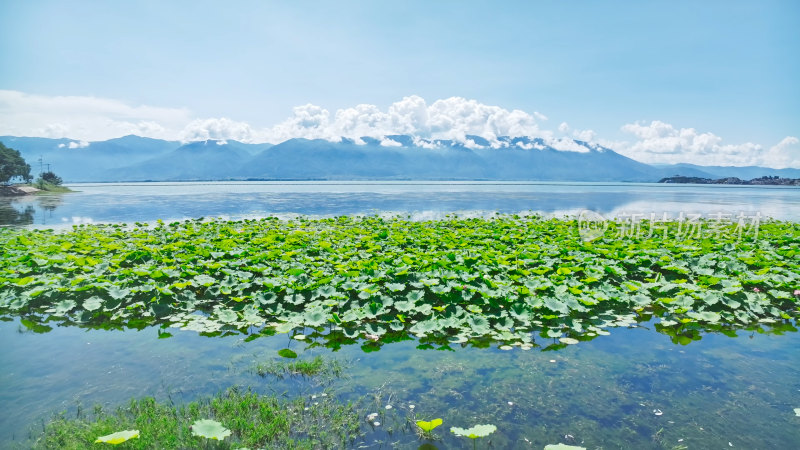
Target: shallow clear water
{"type": "Point", "coordinates": [147, 202]}
{"type": "Point", "coordinates": [603, 393]}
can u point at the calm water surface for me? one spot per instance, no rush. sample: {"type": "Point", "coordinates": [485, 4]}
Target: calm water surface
{"type": "Point", "coordinates": [147, 202]}
{"type": "Point", "coordinates": [632, 389]}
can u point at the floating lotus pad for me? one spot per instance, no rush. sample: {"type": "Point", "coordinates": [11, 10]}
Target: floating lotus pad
{"type": "Point", "coordinates": [210, 429]}
{"type": "Point", "coordinates": [118, 437]}
{"type": "Point", "coordinates": [478, 431]}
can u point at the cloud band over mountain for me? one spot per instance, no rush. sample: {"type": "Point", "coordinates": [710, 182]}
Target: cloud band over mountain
{"type": "Point", "coordinates": [455, 118]}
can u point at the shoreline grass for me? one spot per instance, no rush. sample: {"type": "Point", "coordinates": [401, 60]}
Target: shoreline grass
{"type": "Point", "coordinates": [255, 421]}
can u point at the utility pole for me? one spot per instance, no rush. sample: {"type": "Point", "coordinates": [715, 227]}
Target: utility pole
{"type": "Point", "coordinates": [41, 169]}
{"type": "Point", "coordinates": [48, 167]}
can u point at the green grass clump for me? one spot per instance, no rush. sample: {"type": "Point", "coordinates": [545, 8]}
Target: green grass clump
{"type": "Point", "coordinates": [256, 421]}
{"type": "Point", "coordinates": [317, 366]}
{"type": "Point", "coordinates": [49, 187]}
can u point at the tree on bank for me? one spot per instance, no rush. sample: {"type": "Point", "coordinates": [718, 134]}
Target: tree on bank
{"type": "Point", "coordinates": [12, 165]}
{"type": "Point", "coordinates": [50, 177]}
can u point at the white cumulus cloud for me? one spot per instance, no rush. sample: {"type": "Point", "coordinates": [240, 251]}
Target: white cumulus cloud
{"type": "Point", "coordinates": [453, 118]}
{"type": "Point", "coordinates": [219, 129]}
{"type": "Point", "coordinates": [81, 144]}
{"type": "Point", "coordinates": [660, 142]}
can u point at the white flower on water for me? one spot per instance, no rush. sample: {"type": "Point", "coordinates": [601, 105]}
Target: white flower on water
{"type": "Point", "coordinates": [388, 406]}
{"type": "Point", "coordinates": [376, 423]}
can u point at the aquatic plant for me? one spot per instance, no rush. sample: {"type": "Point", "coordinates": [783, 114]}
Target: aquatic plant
{"type": "Point", "coordinates": [251, 420]}
{"type": "Point", "coordinates": [317, 366]}
{"type": "Point", "coordinates": [118, 437]}
{"type": "Point", "coordinates": [508, 280]}
{"type": "Point", "coordinates": [477, 431]}
{"type": "Point", "coordinates": [210, 429]}
{"type": "Point", "coordinates": [428, 426]}
{"type": "Point", "coordinates": [287, 353]}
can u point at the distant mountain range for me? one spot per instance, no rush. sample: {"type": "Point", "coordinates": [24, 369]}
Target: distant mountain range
{"type": "Point", "coordinates": [134, 158]}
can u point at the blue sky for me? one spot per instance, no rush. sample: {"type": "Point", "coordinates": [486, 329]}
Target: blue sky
{"type": "Point", "coordinates": [724, 69]}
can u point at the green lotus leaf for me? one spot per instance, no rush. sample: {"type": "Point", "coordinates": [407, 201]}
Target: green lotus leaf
{"type": "Point", "coordinates": [395, 287]}
{"type": "Point", "coordinates": [204, 280]}
{"type": "Point", "coordinates": [63, 307]}
{"type": "Point", "coordinates": [705, 316]}
{"type": "Point", "coordinates": [555, 305]}
{"type": "Point", "coordinates": [315, 318]}
{"type": "Point", "coordinates": [285, 327]}
{"type": "Point", "coordinates": [414, 296]}
{"type": "Point", "coordinates": [478, 325]}
{"type": "Point", "coordinates": [287, 353]}
{"type": "Point", "coordinates": [404, 305]}
{"type": "Point", "coordinates": [428, 426]}
{"type": "Point", "coordinates": [118, 437]}
{"type": "Point", "coordinates": [210, 429]}
{"type": "Point", "coordinates": [92, 303]}
{"type": "Point", "coordinates": [327, 291]}
{"type": "Point", "coordinates": [475, 432]}
{"type": "Point", "coordinates": [18, 303]}
{"type": "Point", "coordinates": [118, 293]}
{"type": "Point", "coordinates": [568, 340]}
{"type": "Point", "coordinates": [265, 298]}
{"type": "Point", "coordinates": [24, 281]}
{"type": "Point", "coordinates": [375, 329]}
{"type": "Point", "coordinates": [562, 447]}
{"type": "Point", "coordinates": [425, 326]}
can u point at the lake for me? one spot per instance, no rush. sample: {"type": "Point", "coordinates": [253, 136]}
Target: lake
{"type": "Point", "coordinates": [147, 202]}
{"type": "Point", "coordinates": [634, 388]}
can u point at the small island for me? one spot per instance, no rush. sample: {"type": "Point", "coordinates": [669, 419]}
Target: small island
{"type": "Point", "coordinates": [766, 180]}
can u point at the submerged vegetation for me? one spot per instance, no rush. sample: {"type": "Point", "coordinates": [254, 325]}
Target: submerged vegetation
{"type": "Point", "coordinates": [508, 280]}
{"type": "Point", "coordinates": [249, 420]}
{"type": "Point", "coordinates": [318, 366]}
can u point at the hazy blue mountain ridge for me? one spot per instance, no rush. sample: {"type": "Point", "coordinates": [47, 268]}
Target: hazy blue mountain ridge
{"type": "Point", "coordinates": [135, 158]}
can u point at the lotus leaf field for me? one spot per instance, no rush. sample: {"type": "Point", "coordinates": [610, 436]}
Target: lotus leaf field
{"type": "Point", "coordinates": [509, 281]}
